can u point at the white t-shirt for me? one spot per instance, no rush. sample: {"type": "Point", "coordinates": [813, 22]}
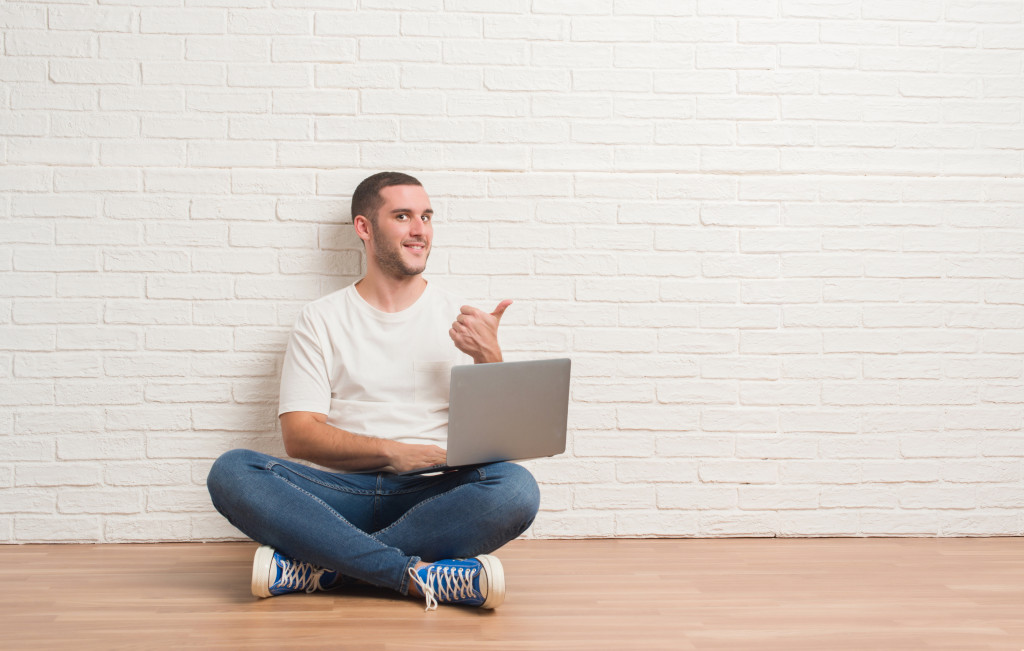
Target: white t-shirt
{"type": "Point", "coordinates": [374, 373]}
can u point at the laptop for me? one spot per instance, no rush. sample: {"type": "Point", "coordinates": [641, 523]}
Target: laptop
{"type": "Point", "coordinates": [505, 411]}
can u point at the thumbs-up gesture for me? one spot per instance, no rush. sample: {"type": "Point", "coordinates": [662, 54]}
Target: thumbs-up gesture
{"type": "Point", "coordinates": [475, 332]}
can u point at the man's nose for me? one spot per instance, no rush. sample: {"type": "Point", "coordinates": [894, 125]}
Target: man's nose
{"type": "Point", "coordinates": [417, 226]}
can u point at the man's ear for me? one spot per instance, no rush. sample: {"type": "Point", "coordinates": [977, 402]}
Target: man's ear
{"type": "Point", "coordinates": [363, 227]}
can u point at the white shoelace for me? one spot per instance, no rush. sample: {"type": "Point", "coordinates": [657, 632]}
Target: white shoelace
{"type": "Point", "coordinates": [445, 583]}
{"type": "Point", "coordinates": [300, 575]}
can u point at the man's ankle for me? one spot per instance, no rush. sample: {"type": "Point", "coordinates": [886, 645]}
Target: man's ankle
{"type": "Point", "coordinates": [414, 590]}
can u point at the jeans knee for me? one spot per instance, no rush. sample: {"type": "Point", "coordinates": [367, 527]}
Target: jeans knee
{"type": "Point", "coordinates": [226, 474]}
{"type": "Point", "coordinates": [523, 491]}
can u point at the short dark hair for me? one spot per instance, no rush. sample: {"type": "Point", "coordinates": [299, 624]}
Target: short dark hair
{"type": "Point", "coordinates": [366, 199]}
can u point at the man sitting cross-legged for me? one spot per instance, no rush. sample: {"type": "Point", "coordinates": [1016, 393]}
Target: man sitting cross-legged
{"type": "Point", "coordinates": [364, 394]}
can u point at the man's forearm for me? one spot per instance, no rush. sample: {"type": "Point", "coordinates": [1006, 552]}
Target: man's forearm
{"type": "Point", "coordinates": [332, 447]}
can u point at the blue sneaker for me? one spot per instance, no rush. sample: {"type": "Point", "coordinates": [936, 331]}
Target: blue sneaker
{"type": "Point", "coordinates": [476, 581]}
{"type": "Point", "coordinates": [273, 574]}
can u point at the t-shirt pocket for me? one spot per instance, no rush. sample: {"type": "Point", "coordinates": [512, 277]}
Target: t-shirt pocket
{"type": "Point", "coordinates": [433, 382]}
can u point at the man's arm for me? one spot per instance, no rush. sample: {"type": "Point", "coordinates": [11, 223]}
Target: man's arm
{"type": "Point", "coordinates": [308, 436]}
{"type": "Point", "coordinates": [475, 333]}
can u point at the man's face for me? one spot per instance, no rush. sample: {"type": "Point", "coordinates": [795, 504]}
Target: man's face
{"type": "Point", "coordinates": [402, 232]}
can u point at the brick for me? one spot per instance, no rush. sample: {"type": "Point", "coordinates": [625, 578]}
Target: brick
{"type": "Point", "coordinates": [145, 365]}
{"type": "Point", "coordinates": [584, 391]}
{"type": "Point", "coordinates": [155, 208]}
{"type": "Point", "coordinates": [534, 28]}
{"type": "Point", "coordinates": [365, 23]}
{"type": "Point", "coordinates": [772, 32]}
{"type": "Point", "coordinates": [574, 56]}
{"type": "Point", "coordinates": [178, 500]}
{"type": "Point", "coordinates": [787, 82]}
{"type": "Point", "coordinates": [23, 448]}
{"type": "Point", "coordinates": [819, 471]}
{"type": "Point", "coordinates": [740, 368]}
{"type": "Point", "coordinates": [226, 48]}
{"type": "Point", "coordinates": [699, 291]}
{"type": "Point", "coordinates": [713, 524]}
{"type": "Point", "coordinates": [661, 470]}
{"type": "Point", "coordinates": [601, 444]}
{"type": "Point", "coordinates": [777, 497]}
{"type": "Point", "coordinates": [188, 182]}
{"type": "Point", "coordinates": [187, 339]}
{"type": "Point", "coordinates": [92, 19]}
{"type": "Point", "coordinates": [618, 340]}
{"type": "Point", "coordinates": [146, 529]}
{"type": "Point", "coordinates": [44, 311]}
{"type": "Point", "coordinates": [695, 445]}
{"type": "Point", "coordinates": [827, 57]}
{"type": "Point", "coordinates": [779, 393]}
{"type": "Point", "coordinates": [85, 286]}
{"type": "Point", "coordinates": [255, 209]}
{"type": "Point", "coordinates": [57, 528]}
{"type": "Point", "coordinates": [92, 72]}
{"type": "Point", "coordinates": [270, 22]}
{"type": "Point", "coordinates": [182, 129]}
{"type": "Point", "coordinates": [234, 313]}
{"type": "Point", "coordinates": [401, 50]}
{"type": "Point", "coordinates": [135, 47]}
{"type": "Point", "coordinates": [79, 392]}
{"type": "Point", "coordinates": [738, 420]}
{"type": "Point", "coordinates": [564, 525]}
{"type": "Point", "coordinates": [450, 26]}
{"type": "Point", "coordinates": [178, 21]}
{"type": "Point", "coordinates": [696, 392]}
{"type": "Point", "coordinates": [319, 102]}
{"type": "Point", "coordinates": [319, 49]}
{"type": "Point", "coordinates": [96, 447]}
{"type": "Point", "coordinates": [101, 501]}
{"type": "Point", "coordinates": [234, 102]}
{"type": "Point", "coordinates": [147, 313]}
{"type": "Point", "coordinates": [143, 261]}
{"type": "Point", "coordinates": [50, 44]}
{"type": "Point", "coordinates": [28, 500]}
{"type": "Point", "coordinates": [57, 365]}
{"type": "Point", "coordinates": [576, 315]}
{"type": "Point", "coordinates": [756, 57]}
{"type": "Point", "coordinates": [168, 154]}
{"type": "Point", "coordinates": [57, 474]}
{"type": "Point", "coordinates": [147, 418]}
{"type": "Point", "coordinates": [743, 108]}
{"type": "Point", "coordinates": [270, 288]}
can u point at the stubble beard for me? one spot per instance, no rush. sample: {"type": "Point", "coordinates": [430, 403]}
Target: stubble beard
{"type": "Point", "coordinates": [389, 257]}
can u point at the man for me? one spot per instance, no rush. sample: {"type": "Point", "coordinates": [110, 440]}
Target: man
{"type": "Point", "coordinates": [364, 391]}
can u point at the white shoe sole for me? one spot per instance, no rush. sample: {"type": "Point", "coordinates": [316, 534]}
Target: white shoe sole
{"type": "Point", "coordinates": [495, 575]}
{"type": "Point", "coordinates": [261, 565]}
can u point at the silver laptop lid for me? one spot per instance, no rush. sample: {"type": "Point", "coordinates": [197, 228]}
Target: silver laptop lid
{"type": "Point", "coordinates": [507, 411]}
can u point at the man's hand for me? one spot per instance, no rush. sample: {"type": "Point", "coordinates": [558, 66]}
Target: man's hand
{"type": "Point", "coordinates": [409, 456]}
{"type": "Point", "coordinates": [475, 332]}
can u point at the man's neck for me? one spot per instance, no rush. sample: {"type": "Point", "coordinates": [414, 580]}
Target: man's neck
{"type": "Point", "coordinates": [389, 294]}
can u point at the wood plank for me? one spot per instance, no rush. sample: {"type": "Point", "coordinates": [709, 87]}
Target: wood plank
{"type": "Point", "coordinates": [566, 594]}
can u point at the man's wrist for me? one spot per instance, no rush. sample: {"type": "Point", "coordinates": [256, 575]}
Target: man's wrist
{"type": "Point", "coordinates": [389, 450]}
{"type": "Point", "coordinates": [488, 359]}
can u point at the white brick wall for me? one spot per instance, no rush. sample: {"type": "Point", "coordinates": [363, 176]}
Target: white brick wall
{"type": "Point", "coordinates": [782, 242]}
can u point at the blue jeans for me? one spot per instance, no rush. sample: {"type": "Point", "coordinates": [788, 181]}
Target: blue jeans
{"type": "Point", "coordinates": [372, 527]}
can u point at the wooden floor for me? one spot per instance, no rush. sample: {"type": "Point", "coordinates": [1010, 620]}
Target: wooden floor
{"type": "Point", "coordinates": [607, 594]}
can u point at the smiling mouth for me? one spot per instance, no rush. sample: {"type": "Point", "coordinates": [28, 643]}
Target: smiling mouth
{"type": "Point", "coordinates": [416, 246]}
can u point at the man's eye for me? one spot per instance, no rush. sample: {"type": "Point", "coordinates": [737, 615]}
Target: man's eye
{"type": "Point", "coordinates": [426, 218]}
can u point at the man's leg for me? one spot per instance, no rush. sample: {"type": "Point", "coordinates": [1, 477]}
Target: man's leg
{"type": "Point", "coordinates": [464, 514]}
{"type": "Point", "coordinates": [324, 518]}
{"type": "Point", "coordinates": [308, 514]}
{"type": "Point", "coordinates": [459, 514]}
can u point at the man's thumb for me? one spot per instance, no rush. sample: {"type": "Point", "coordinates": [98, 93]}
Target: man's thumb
{"type": "Point", "coordinates": [502, 306]}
